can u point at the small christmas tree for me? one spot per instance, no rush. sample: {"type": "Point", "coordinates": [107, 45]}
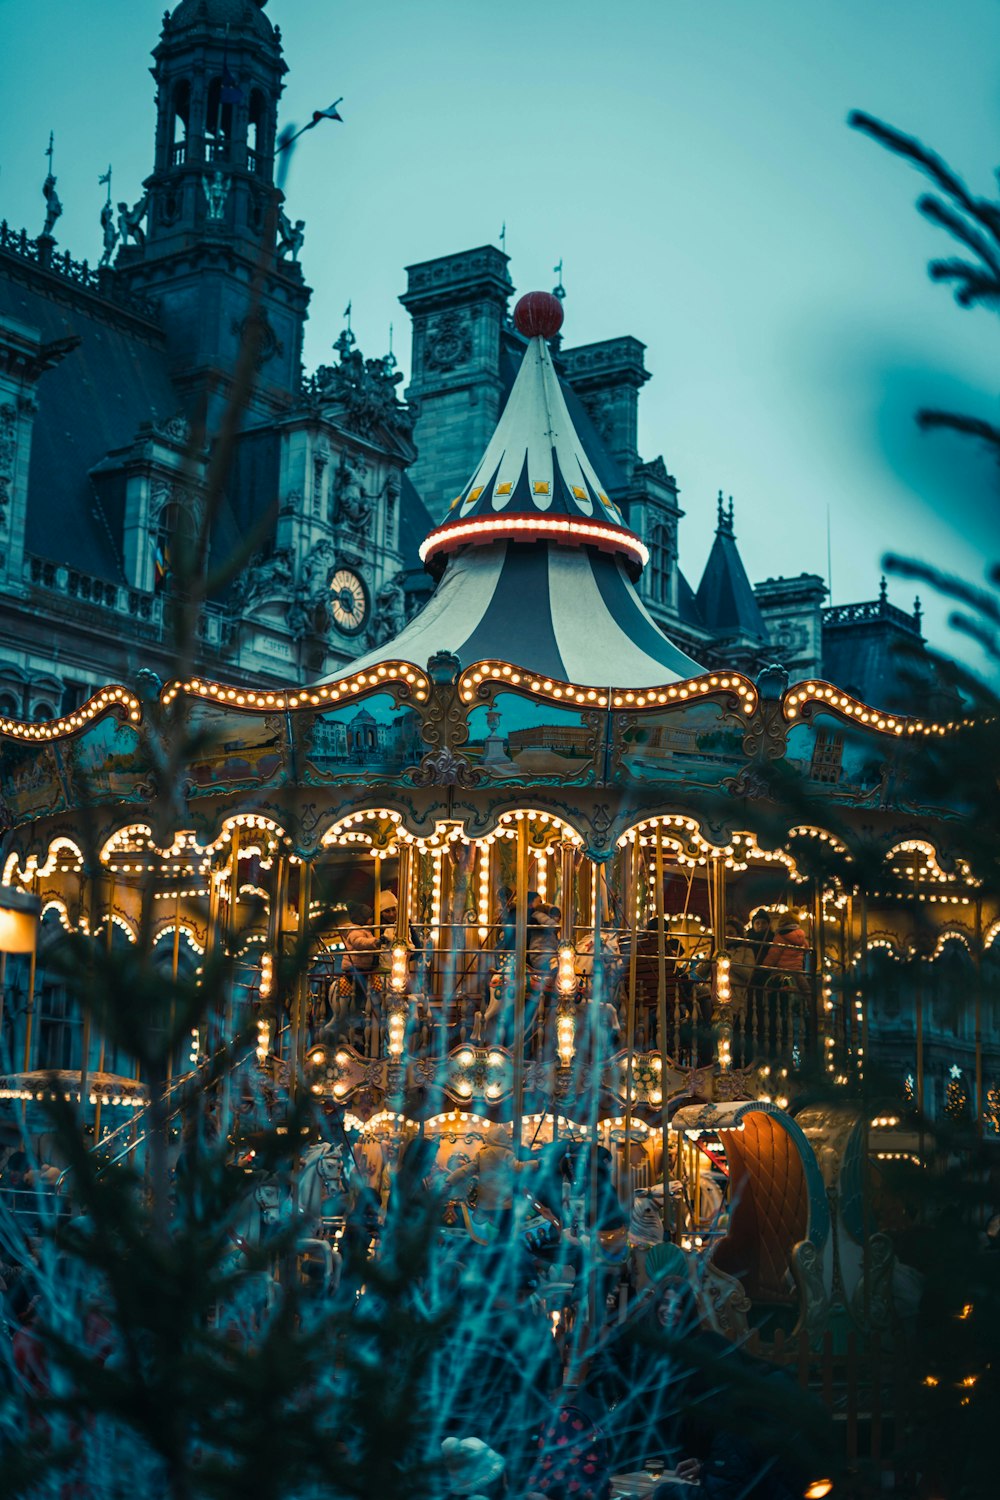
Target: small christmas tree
{"type": "Point", "coordinates": [956, 1099]}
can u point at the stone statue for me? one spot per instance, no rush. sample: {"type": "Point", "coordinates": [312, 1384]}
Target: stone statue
{"type": "Point", "coordinates": [300, 614]}
{"type": "Point", "coordinates": [352, 503]}
{"type": "Point", "coordinates": [317, 569]}
{"type": "Point", "coordinates": [390, 611]}
{"type": "Point", "coordinates": [290, 236]}
{"type": "Point", "coordinates": [265, 578]}
{"type": "Point", "coordinates": [216, 192]}
{"type": "Point", "coordinates": [130, 221]}
{"type": "Point", "coordinates": [53, 207]}
{"type": "Point", "coordinates": [364, 391]}
{"type": "Point", "coordinates": [109, 232]}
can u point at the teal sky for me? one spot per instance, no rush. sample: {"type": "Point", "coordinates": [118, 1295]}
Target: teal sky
{"type": "Point", "coordinates": [689, 161]}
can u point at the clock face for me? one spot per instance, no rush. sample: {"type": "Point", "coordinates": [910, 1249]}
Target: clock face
{"type": "Point", "coordinates": [348, 601]}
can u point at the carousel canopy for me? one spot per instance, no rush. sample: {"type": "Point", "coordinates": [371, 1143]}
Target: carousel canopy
{"type": "Point", "coordinates": [537, 560]}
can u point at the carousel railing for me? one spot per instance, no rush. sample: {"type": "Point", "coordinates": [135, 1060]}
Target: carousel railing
{"type": "Point", "coordinates": [458, 989]}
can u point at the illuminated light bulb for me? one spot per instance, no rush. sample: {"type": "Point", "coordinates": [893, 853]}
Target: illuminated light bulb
{"type": "Point", "coordinates": [566, 1038]}
{"type": "Point", "coordinates": [399, 972]}
{"type": "Point", "coordinates": [818, 1489]}
{"type": "Point", "coordinates": [566, 979]}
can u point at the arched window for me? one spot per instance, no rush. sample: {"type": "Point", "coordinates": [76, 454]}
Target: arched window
{"type": "Point", "coordinates": [256, 142]}
{"type": "Point", "coordinates": [9, 706]}
{"type": "Point", "coordinates": [659, 565]}
{"type": "Point", "coordinates": [218, 122]}
{"type": "Point", "coordinates": [165, 547]}
{"type": "Point", "coordinates": [179, 123]}
{"type": "Point", "coordinates": [42, 711]}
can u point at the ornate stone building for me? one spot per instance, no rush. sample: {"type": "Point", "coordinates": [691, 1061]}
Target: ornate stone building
{"type": "Point", "coordinates": [115, 383]}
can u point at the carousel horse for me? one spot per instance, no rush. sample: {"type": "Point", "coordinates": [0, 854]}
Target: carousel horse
{"type": "Point", "coordinates": [326, 1172]}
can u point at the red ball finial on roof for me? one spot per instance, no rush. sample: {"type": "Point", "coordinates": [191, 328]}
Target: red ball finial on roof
{"type": "Point", "coordinates": [538, 315]}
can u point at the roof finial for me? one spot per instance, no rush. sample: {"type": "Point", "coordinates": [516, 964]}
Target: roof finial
{"type": "Point", "coordinates": [720, 519]}
{"type": "Point", "coordinates": [559, 290]}
{"type": "Point", "coordinates": [730, 514]}
{"type": "Point", "coordinates": [538, 315]}
{"type": "Point", "coordinates": [503, 236]}
{"type": "Point", "coordinates": [918, 613]}
{"type": "Point", "coordinates": [389, 361]}
{"type": "Point", "coordinates": [883, 590]}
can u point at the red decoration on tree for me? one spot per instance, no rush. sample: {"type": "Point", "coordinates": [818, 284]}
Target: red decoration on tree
{"type": "Point", "coordinates": [538, 315]}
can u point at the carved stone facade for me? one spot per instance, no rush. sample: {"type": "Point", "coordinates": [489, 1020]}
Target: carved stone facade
{"type": "Point", "coordinates": [459, 307]}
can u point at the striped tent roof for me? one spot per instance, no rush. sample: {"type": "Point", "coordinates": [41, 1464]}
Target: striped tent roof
{"type": "Point", "coordinates": [535, 479]}
{"type": "Point", "coordinates": [538, 564]}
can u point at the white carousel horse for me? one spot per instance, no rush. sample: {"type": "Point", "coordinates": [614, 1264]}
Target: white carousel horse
{"type": "Point", "coordinates": [325, 1172]}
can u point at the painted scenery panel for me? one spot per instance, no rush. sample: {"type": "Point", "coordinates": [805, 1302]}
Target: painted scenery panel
{"type": "Point", "coordinates": [359, 741]}
{"type": "Point", "coordinates": [107, 763]}
{"type": "Point", "coordinates": [520, 740]}
{"type": "Point", "coordinates": [861, 768]}
{"type": "Point", "coordinates": [697, 745]}
{"type": "Point", "coordinates": [29, 780]}
{"type": "Point", "coordinates": [237, 752]}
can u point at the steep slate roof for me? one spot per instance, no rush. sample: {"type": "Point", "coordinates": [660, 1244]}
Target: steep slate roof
{"type": "Point", "coordinates": [725, 599]}
{"type": "Point", "coordinates": [89, 404]}
{"type": "Point", "coordinates": [876, 651]}
{"type": "Point", "coordinates": [415, 521]}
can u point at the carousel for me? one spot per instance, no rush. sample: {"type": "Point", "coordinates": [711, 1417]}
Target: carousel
{"type": "Point", "coordinates": [544, 878]}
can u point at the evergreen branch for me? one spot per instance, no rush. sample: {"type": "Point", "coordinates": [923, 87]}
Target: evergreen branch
{"type": "Point", "coordinates": [977, 287]}
{"type": "Point", "coordinates": [912, 150]}
{"type": "Point", "coordinates": [928, 419]}
{"type": "Point", "coordinates": [944, 217]}
{"type": "Point", "coordinates": [977, 631]}
{"type": "Point", "coordinates": [977, 599]}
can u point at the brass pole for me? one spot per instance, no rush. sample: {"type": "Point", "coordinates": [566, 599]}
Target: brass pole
{"type": "Point", "coordinates": [819, 964]}
{"type": "Point", "coordinates": [30, 1014]}
{"type": "Point", "coordinates": [29, 1019]}
{"type": "Point", "coordinates": [85, 1034]}
{"type": "Point", "coordinates": [229, 1002]}
{"type": "Point", "coordinates": [3, 997]}
{"type": "Point", "coordinates": [109, 944]}
{"type": "Point", "coordinates": [520, 976]}
{"type": "Point", "coordinates": [175, 964]}
{"type": "Point", "coordinates": [661, 1024]}
{"type": "Point", "coordinates": [632, 898]}
{"type": "Point", "coordinates": [596, 1001]}
{"type": "Point", "coordinates": [302, 976]}
{"type": "Point", "coordinates": [979, 1015]}
{"type": "Point", "coordinates": [403, 904]}
{"type": "Point", "coordinates": [866, 1112]}
{"type": "Point", "coordinates": [276, 943]}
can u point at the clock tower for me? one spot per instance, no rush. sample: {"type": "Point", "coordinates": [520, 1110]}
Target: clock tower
{"type": "Point", "coordinates": [204, 238]}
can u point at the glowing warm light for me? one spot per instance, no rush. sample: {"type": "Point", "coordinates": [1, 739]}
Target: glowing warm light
{"type": "Point", "coordinates": [609, 538]}
{"type": "Point", "coordinates": [399, 973]}
{"type": "Point", "coordinates": [397, 1032]}
{"type": "Point", "coordinates": [566, 979]}
{"type": "Point", "coordinates": [565, 1038]}
{"type": "Point", "coordinates": [818, 1489]}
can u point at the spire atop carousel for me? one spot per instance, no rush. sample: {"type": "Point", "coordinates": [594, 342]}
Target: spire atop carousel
{"type": "Point", "coordinates": [536, 562]}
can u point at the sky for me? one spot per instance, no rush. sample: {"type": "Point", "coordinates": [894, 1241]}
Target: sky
{"type": "Point", "coordinates": [690, 163]}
